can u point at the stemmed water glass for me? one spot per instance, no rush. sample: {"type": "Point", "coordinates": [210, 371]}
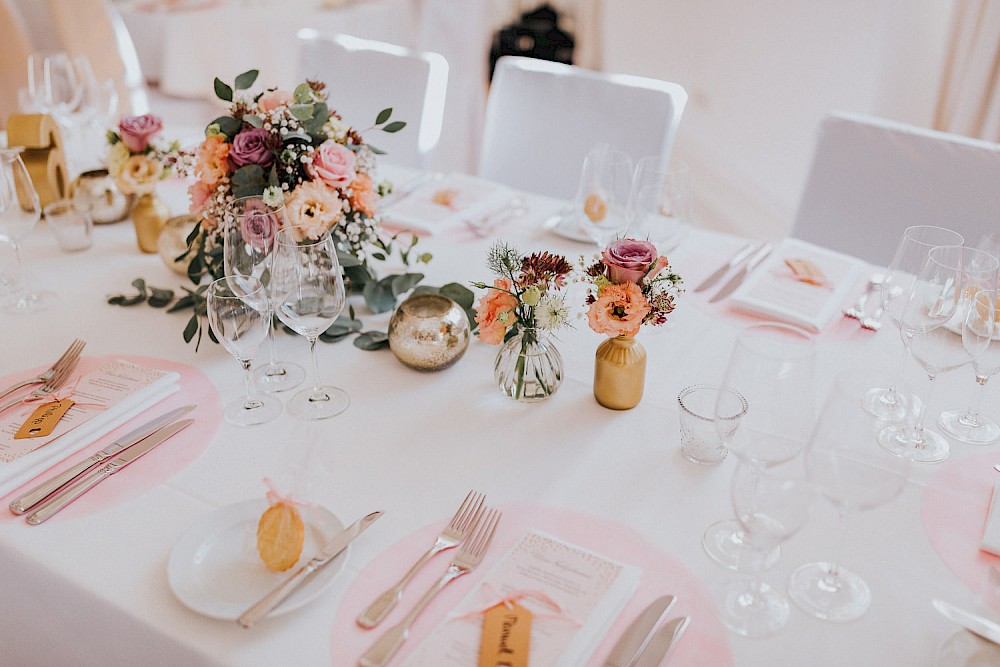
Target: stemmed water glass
{"type": "Point", "coordinates": [53, 84]}
{"type": "Point", "coordinates": [773, 367]}
{"type": "Point", "coordinates": [248, 250]}
{"type": "Point", "coordinates": [909, 258]}
{"type": "Point", "coordinates": [601, 202]}
{"type": "Point", "coordinates": [308, 291]}
{"type": "Point", "coordinates": [981, 338]}
{"type": "Point", "coordinates": [239, 313]}
{"type": "Point", "coordinates": [660, 206]}
{"type": "Point", "coordinates": [19, 213]}
{"type": "Point", "coordinates": [846, 468]}
{"type": "Point", "coordinates": [950, 278]}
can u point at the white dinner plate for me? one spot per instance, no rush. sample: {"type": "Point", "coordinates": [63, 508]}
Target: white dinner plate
{"type": "Point", "coordinates": [569, 227]}
{"type": "Point", "coordinates": [215, 570]}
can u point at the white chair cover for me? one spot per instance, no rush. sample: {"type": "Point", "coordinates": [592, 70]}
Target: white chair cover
{"type": "Point", "coordinates": [366, 76]}
{"type": "Point", "coordinates": [872, 178]}
{"type": "Point", "coordinates": [542, 118]}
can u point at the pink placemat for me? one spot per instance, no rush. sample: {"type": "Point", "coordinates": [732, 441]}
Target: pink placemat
{"type": "Point", "coordinates": [705, 644]}
{"type": "Point", "coordinates": [953, 509]}
{"type": "Point", "coordinates": [156, 467]}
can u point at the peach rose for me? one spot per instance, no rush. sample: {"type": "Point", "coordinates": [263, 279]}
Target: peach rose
{"type": "Point", "coordinates": [198, 193]}
{"type": "Point", "coordinates": [213, 164]}
{"type": "Point", "coordinates": [313, 205]}
{"type": "Point", "coordinates": [495, 312]}
{"type": "Point", "coordinates": [619, 310]}
{"type": "Point", "coordinates": [139, 175]}
{"type": "Point", "coordinates": [272, 100]}
{"type": "Point", "coordinates": [332, 164]}
{"type": "Point", "coordinates": [363, 196]}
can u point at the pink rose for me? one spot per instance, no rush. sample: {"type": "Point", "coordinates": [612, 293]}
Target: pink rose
{"type": "Point", "coordinates": [333, 164]}
{"type": "Point", "coordinates": [274, 99]}
{"type": "Point", "coordinates": [252, 146]}
{"type": "Point", "coordinates": [199, 193]}
{"type": "Point", "coordinates": [136, 131]}
{"type": "Point", "coordinates": [629, 260]}
{"type": "Point", "coordinates": [258, 224]}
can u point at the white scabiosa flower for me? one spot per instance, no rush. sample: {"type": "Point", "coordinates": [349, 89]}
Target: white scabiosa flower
{"type": "Point", "coordinates": [551, 312]}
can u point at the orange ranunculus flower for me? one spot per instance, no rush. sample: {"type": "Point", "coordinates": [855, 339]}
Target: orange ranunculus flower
{"type": "Point", "coordinates": [619, 310]}
{"type": "Point", "coordinates": [363, 194]}
{"type": "Point", "coordinates": [495, 312]}
{"type": "Point", "coordinates": [212, 164]}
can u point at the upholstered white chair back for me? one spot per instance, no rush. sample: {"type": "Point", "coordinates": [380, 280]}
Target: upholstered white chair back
{"type": "Point", "coordinates": [872, 178]}
{"type": "Point", "coordinates": [365, 76]}
{"type": "Point", "coordinates": [543, 117]}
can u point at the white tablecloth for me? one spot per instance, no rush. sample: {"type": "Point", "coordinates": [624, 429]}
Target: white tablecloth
{"type": "Point", "coordinates": [94, 590]}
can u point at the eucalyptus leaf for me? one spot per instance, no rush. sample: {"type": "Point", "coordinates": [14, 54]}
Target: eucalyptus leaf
{"type": "Point", "coordinates": [253, 121]}
{"type": "Point", "coordinates": [379, 297]}
{"type": "Point", "coordinates": [181, 304]}
{"type": "Point", "coordinates": [383, 116]}
{"type": "Point", "coordinates": [375, 150]}
{"type": "Point", "coordinates": [460, 294]}
{"type": "Point", "coordinates": [248, 180]}
{"type": "Point", "coordinates": [228, 125]}
{"type": "Point", "coordinates": [191, 329]}
{"type": "Point", "coordinates": [223, 91]}
{"type": "Point", "coordinates": [405, 282]}
{"type": "Point", "coordinates": [302, 94]}
{"type": "Point", "coordinates": [394, 126]}
{"type": "Point", "coordinates": [372, 340]}
{"type": "Point", "coordinates": [245, 80]}
{"type": "Point", "coordinates": [320, 114]}
{"type": "Point", "coordinates": [301, 111]}
{"type": "Point", "coordinates": [347, 260]}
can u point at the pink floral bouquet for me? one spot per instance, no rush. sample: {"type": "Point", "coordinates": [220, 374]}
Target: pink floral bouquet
{"type": "Point", "coordinates": [134, 160]}
{"type": "Point", "coordinates": [631, 285]}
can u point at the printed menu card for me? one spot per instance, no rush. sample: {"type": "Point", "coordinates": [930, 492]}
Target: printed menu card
{"type": "Point", "coordinates": [444, 203]}
{"type": "Point", "coordinates": [574, 595]}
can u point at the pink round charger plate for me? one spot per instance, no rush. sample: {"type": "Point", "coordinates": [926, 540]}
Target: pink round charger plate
{"type": "Point", "coordinates": [704, 644]}
{"type": "Point", "coordinates": [953, 510]}
{"type": "Point", "coordinates": [157, 466]}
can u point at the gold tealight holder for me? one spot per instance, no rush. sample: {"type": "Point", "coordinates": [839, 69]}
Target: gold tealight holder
{"type": "Point", "coordinates": [429, 332]}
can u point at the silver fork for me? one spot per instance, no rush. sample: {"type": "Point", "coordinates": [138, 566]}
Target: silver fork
{"type": "Point", "coordinates": [465, 561]}
{"type": "Point", "coordinates": [457, 529]}
{"type": "Point", "coordinates": [857, 311]}
{"type": "Point", "coordinates": [53, 385]}
{"type": "Point", "coordinates": [71, 353]}
{"type": "Point", "coordinates": [874, 322]}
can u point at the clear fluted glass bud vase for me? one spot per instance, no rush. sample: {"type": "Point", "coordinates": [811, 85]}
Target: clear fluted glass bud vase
{"type": "Point", "coordinates": [528, 366]}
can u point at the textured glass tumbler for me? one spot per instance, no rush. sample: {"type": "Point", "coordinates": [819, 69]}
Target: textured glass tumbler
{"type": "Point", "coordinates": [702, 438]}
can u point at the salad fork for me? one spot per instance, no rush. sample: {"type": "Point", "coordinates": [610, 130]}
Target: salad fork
{"type": "Point", "coordinates": [50, 387]}
{"type": "Point", "coordinates": [457, 529]}
{"type": "Point", "coordinates": [71, 354]}
{"type": "Point", "coordinates": [466, 560]}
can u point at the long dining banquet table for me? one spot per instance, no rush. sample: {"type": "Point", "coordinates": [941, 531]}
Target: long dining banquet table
{"type": "Point", "coordinates": [91, 586]}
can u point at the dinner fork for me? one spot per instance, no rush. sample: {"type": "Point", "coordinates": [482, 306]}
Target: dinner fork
{"type": "Point", "coordinates": [466, 560]}
{"type": "Point", "coordinates": [72, 353]}
{"type": "Point", "coordinates": [50, 387]}
{"type": "Point", "coordinates": [457, 529]}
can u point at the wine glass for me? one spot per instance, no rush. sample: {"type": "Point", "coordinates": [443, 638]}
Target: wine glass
{"type": "Point", "coordinates": [981, 338]}
{"type": "Point", "coordinates": [19, 213]}
{"type": "Point", "coordinates": [946, 284]}
{"type": "Point", "coordinates": [910, 255]}
{"type": "Point", "coordinates": [771, 505]}
{"type": "Point", "coordinates": [308, 290]}
{"type": "Point", "coordinates": [248, 250]}
{"type": "Point", "coordinates": [601, 202]}
{"type": "Point", "coordinates": [53, 84]}
{"type": "Point", "coordinates": [660, 205]}
{"type": "Point", "coordinates": [845, 468]}
{"type": "Point", "coordinates": [239, 313]}
{"type": "Point", "coordinates": [773, 367]}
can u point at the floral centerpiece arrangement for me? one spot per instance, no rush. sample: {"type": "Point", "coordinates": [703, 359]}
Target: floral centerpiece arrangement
{"type": "Point", "coordinates": [519, 310]}
{"type": "Point", "coordinates": [631, 284]}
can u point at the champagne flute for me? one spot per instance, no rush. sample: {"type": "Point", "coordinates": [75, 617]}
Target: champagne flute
{"type": "Point", "coordinates": [601, 203]}
{"type": "Point", "coordinates": [239, 313]}
{"type": "Point", "coordinates": [853, 475]}
{"type": "Point", "coordinates": [981, 338]}
{"type": "Point", "coordinates": [911, 253]}
{"type": "Point", "coordinates": [773, 366]}
{"type": "Point", "coordinates": [248, 250]}
{"type": "Point", "coordinates": [308, 290]}
{"type": "Point", "coordinates": [946, 284]}
{"type": "Point", "coordinates": [19, 213]}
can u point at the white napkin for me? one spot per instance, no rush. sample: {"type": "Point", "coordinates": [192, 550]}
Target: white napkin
{"type": "Point", "coordinates": [991, 533]}
{"type": "Point", "coordinates": [443, 204]}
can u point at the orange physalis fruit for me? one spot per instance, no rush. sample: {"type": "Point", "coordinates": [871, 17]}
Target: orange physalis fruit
{"type": "Point", "coordinates": [280, 535]}
{"type": "Point", "coordinates": [595, 208]}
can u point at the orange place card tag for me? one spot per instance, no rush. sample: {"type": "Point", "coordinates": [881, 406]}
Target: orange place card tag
{"type": "Point", "coordinates": [506, 637]}
{"type": "Point", "coordinates": [43, 420]}
{"type": "Point", "coordinates": [806, 271]}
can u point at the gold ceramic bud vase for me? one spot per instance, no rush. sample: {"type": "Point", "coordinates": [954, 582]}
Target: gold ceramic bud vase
{"type": "Point", "coordinates": [149, 216]}
{"type": "Point", "coordinates": [619, 373]}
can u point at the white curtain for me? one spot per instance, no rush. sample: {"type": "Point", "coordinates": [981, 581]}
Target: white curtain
{"type": "Point", "coordinates": [969, 100]}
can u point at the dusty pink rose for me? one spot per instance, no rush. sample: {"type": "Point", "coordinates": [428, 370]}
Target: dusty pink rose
{"type": "Point", "coordinates": [136, 131]}
{"type": "Point", "coordinates": [273, 99]}
{"type": "Point", "coordinates": [198, 193]}
{"type": "Point", "coordinates": [619, 310]}
{"type": "Point", "coordinates": [495, 312]}
{"type": "Point", "coordinates": [258, 224]}
{"type": "Point", "coordinates": [333, 164]}
{"type": "Point", "coordinates": [629, 260]}
{"type": "Point", "coordinates": [252, 146]}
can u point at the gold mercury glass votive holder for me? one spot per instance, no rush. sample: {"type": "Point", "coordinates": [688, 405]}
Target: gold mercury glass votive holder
{"type": "Point", "coordinates": [429, 332]}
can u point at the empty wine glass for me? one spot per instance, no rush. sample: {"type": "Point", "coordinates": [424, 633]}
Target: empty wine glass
{"type": "Point", "coordinates": [19, 213]}
{"type": "Point", "coordinates": [773, 366]}
{"type": "Point", "coordinates": [909, 258]}
{"type": "Point", "coordinates": [949, 280]}
{"type": "Point", "coordinates": [847, 469]}
{"type": "Point", "coordinates": [660, 206]}
{"type": "Point", "coordinates": [771, 505]}
{"type": "Point", "coordinates": [309, 294]}
{"type": "Point", "coordinates": [601, 202]}
{"type": "Point", "coordinates": [248, 250]}
{"type": "Point", "coordinates": [239, 313]}
{"type": "Point", "coordinates": [981, 338]}
{"type": "Point", "coordinates": [53, 84]}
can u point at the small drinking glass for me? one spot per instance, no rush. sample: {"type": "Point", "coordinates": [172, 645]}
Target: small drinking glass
{"type": "Point", "coordinates": [71, 223]}
{"type": "Point", "coordinates": [660, 204]}
{"type": "Point", "coordinates": [19, 213]}
{"type": "Point", "coordinates": [601, 203]}
{"type": "Point", "coordinates": [701, 407]}
{"type": "Point", "coordinates": [239, 313]}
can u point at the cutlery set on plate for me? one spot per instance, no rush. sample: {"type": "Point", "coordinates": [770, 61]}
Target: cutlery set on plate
{"type": "Point", "coordinates": [744, 262]}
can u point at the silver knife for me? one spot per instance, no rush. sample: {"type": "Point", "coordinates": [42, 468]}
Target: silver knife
{"type": "Point", "coordinates": [741, 255]}
{"type": "Point", "coordinates": [31, 498]}
{"type": "Point", "coordinates": [84, 484]}
{"type": "Point", "coordinates": [742, 274]}
{"type": "Point", "coordinates": [633, 642]}
{"type": "Point", "coordinates": [977, 625]}
{"type": "Point", "coordinates": [661, 643]}
{"type": "Point", "coordinates": [264, 606]}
